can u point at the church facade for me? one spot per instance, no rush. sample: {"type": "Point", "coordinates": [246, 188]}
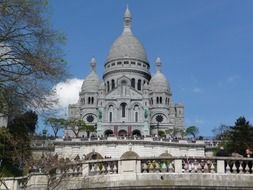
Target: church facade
{"type": "Point", "coordinates": [128, 100]}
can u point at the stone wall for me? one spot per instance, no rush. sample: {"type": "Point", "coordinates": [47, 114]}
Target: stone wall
{"type": "Point", "coordinates": [116, 148]}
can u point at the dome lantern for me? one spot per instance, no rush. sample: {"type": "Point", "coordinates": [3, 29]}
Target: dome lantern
{"type": "Point", "coordinates": [158, 64]}
{"type": "Point", "coordinates": [127, 20]}
{"type": "Point", "coordinates": [93, 64]}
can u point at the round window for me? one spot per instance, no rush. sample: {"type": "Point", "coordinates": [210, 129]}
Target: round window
{"type": "Point", "coordinates": [159, 118]}
{"type": "Point", "coordinates": [90, 118]}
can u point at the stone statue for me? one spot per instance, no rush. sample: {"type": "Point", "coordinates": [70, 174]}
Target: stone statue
{"type": "Point", "coordinates": [99, 114]}
{"type": "Point", "coordinates": [146, 114]}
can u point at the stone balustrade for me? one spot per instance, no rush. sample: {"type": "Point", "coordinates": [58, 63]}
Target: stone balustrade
{"type": "Point", "coordinates": [103, 168]}
{"type": "Point", "coordinates": [157, 166]}
{"type": "Point", "coordinates": [201, 171]}
{"type": "Point", "coordinates": [219, 165]}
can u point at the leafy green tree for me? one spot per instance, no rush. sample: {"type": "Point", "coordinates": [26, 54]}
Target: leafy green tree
{"type": "Point", "coordinates": [236, 138]}
{"type": "Point", "coordinates": [56, 124]}
{"type": "Point", "coordinates": [89, 129]}
{"type": "Point", "coordinates": [75, 125]}
{"type": "Point", "coordinates": [31, 59]}
{"type": "Point", "coordinates": [192, 131]}
{"type": "Point", "coordinates": [78, 125]}
{"type": "Point", "coordinates": [161, 133]}
{"type": "Point", "coordinates": [240, 136]}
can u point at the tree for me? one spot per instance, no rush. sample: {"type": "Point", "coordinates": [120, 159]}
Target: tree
{"type": "Point", "coordinates": [89, 129]}
{"type": "Point", "coordinates": [21, 128]}
{"type": "Point", "coordinates": [240, 136]}
{"type": "Point", "coordinates": [15, 150]}
{"type": "Point", "coordinates": [236, 138]}
{"type": "Point", "coordinates": [192, 130]}
{"type": "Point", "coordinates": [56, 124]}
{"type": "Point", "coordinates": [78, 125]}
{"type": "Point", "coordinates": [161, 133]}
{"type": "Point", "coordinates": [221, 132]}
{"type": "Point", "coordinates": [30, 55]}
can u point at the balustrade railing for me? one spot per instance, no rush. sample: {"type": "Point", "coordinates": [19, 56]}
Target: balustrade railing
{"type": "Point", "coordinates": [238, 166]}
{"type": "Point", "coordinates": [211, 165]}
{"type": "Point", "coordinates": [70, 170]}
{"type": "Point", "coordinates": [157, 166]}
{"type": "Point", "coordinates": [191, 165]}
{"type": "Point", "coordinates": [103, 168]}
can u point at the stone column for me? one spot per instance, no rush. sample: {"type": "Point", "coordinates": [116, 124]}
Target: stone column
{"type": "Point", "coordinates": [221, 166]}
{"type": "Point", "coordinates": [178, 166]}
{"type": "Point", "coordinates": [85, 170]}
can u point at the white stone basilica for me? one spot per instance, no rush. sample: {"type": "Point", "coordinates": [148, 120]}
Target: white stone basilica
{"type": "Point", "coordinates": [128, 101]}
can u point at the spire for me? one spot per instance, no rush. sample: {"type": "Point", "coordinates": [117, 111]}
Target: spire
{"type": "Point", "coordinates": [93, 64]}
{"type": "Point", "coordinates": [127, 20]}
{"type": "Point", "coordinates": [158, 64]}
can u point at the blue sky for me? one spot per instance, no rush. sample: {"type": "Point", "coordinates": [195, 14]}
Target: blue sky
{"type": "Point", "coordinates": [206, 48]}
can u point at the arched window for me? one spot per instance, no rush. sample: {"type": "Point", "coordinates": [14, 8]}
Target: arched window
{"type": "Point", "coordinates": [113, 84]}
{"type": "Point", "coordinates": [151, 101]}
{"type": "Point", "coordinates": [136, 116]}
{"type": "Point", "coordinates": [123, 109]}
{"type": "Point", "coordinates": [136, 109]}
{"type": "Point", "coordinates": [139, 84]}
{"type": "Point", "coordinates": [88, 100]}
{"type": "Point", "coordinates": [161, 100]}
{"type": "Point", "coordinates": [108, 86]}
{"type": "Point", "coordinates": [92, 100]}
{"type": "Point", "coordinates": [110, 117]}
{"type": "Point", "coordinates": [157, 100]}
{"type": "Point", "coordinates": [110, 113]}
{"type": "Point", "coordinates": [133, 82]}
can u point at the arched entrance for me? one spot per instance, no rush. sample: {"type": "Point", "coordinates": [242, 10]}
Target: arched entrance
{"type": "Point", "coordinates": [108, 133]}
{"type": "Point", "coordinates": [136, 132]}
{"type": "Point", "coordinates": [122, 133]}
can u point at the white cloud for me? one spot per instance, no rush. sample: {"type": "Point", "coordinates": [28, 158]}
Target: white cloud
{"type": "Point", "coordinates": [197, 90]}
{"type": "Point", "coordinates": [67, 92]}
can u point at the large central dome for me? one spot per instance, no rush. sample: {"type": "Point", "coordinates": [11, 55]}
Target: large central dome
{"type": "Point", "coordinates": [127, 45]}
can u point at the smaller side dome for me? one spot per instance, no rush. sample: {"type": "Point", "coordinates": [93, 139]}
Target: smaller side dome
{"type": "Point", "coordinates": [91, 82]}
{"type": "Point", "coordinates": [158, 82]}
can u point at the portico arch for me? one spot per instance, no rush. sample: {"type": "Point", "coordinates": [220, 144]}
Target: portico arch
{"type": "Point", "coordinates": [108, 132]}
{"type": "Point", "coordinates": [136, 132]}
{"type": "Point", "coordinates": [122, 132]}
